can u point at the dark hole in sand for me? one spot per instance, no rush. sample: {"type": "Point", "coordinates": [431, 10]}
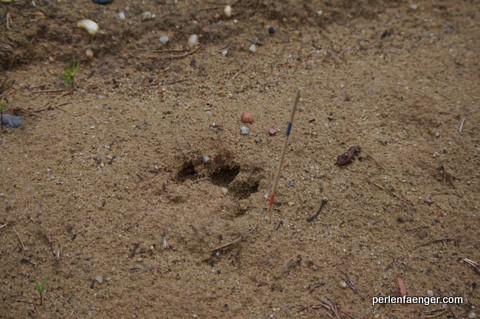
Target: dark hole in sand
{"type": "Point", "coordinates": [224, 175]}
{"type": "Point", "coordinates": [187, 172]}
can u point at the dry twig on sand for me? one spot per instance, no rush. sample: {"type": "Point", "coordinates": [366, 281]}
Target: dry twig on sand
{"type": "Point", "coordinates": [215, 251]}
{"type": "Point", "coordinates": [322, 204]}
{"type": "Point", "coordinates": [473, 264]}
{"type": "Point", "coordinates": [336, 312]}
{"type": "Point", "coordinates": [20, 239]}
{"type": "Point", "coordinates": [48, 239]}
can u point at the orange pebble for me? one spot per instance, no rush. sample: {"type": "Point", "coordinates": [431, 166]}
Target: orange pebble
{"type": "Point", "coordinates": [246, 118]}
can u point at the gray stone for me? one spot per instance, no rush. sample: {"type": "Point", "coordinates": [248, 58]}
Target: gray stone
{"type": "Point", "coordinates": [11, 121]}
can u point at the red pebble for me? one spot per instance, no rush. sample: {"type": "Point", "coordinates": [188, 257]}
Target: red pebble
{"type": "Point", "coordinates": [246, 118]}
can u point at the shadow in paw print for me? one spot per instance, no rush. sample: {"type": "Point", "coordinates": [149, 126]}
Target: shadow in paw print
{"type": "Point", "coordinates": [224, 175]}
{"type": "Point", "coordinates": [187, 171]}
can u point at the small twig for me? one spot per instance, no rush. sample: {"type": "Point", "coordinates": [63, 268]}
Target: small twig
{"type": "Point", "coordinates": [19, 238]}
{"type": "Point", "coordinates": [4, 225]}
{"type": "Point", "coordinates": [392, 193]}
{"type": "Point", "coordinates": [51, 107]}
{"type": "Point", "coordinates": [473, 264]}
{"type": "Point", "coordinates": [441, 240]}
{"type": "Point", "coordinates": [25, 301]}
{"type": "Point", "coordinates": [48, 91]}
{"type": "Point", "coordinates": [280, 223]}
{"type": "Point", "coordinates": [169, 51]}
{"type": "Point", "coordinates": [186, 53]}
{"type": "Point", "coordinates": [311, 218]}
{"type": "Point", "coordinates": [460, 129]}
{"type": "Point", "coordinates": [135, 248]}
{"type": "Point", "coordinates": [9, 21]}
{"type": "Point", "coordinates": [331, 305]}
{"type": "Point", "coordinates": [28, 261]}
{"type": "Point", "coordinates": [233, 242]}
{"type": "Point", "coordinates": [351, 285]}
{"type": "Point", "coordinates": [176, 81]}
{"type": "Point", "coordinates": [56, 252]}
{"type": "Point", "coordinates": [56, 97]}
{"type": "Point", "coordinates": [435, 313]}
{"type": "Point", "coordinates": [165, 239]}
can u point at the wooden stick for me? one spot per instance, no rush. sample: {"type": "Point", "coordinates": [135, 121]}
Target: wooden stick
{"type": "Point", "coordinates": [282, 157]}
{"type": "Point", "coordinates": [460, 129]}
{"type": "Point", "coordinates": [233, 242]}
{"type": "Point", "coordinates": [19, 238]}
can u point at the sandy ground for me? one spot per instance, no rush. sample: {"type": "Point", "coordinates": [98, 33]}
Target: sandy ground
{"type": "Point", "coordinates": [104, 196]}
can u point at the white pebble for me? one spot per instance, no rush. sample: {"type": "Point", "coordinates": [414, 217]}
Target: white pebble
{"type": "Point", "coordinates": [148, 16]}
{"type": "Point", "coordinates": [121, 15]}
{"type": "Point", "coordinates": [320, 13]}
{"type": "Point", "coordinates": [193, 40]}
{"type": "Point", "coordinates": [343, 284]}
{"type": "Point", "coordinates": [224, 52]}
{"type": "Point", "coordinates": [206, 159]}
{"type": "Point", "coordinates": [244, 130]}
{"type": "Point", "coordinates": [224, 190]}
{"type": "Point", "coordinates": [430, 293]}
{"type": "Point", "coordinates": [253, 48]}
{"type": "Point", "coordinates": [228, 11]}
{"type": "Point", "coordinates": [413, 6]}
{"type": "Point", "coordinates": [89, 25]}
{"type": "Point", "coordinates": [164, 39]}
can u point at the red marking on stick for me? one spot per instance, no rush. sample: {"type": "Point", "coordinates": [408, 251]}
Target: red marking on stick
{"type": "Point", "coordinates": [270, 201]}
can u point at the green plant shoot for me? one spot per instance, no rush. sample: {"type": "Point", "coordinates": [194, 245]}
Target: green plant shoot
{"type": "Point", "coordinates": [70, 72]}
{"type": "Point", "coordinates": [41, 288]}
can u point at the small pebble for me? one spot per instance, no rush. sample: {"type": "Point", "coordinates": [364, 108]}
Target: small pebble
{"type": "Point", "coordinates": [193, 40]}
{"type": "Point", "coordinates": [164, 39]}
{"type": "Point", "coordinates": [472, 315]}
{"type": "Point", "coordinates": [148, 16]}
{"type": "Point", "coordinates": [121, 15]}
{"type": "Point", "coordinates": [88, 25]}
{"type": "Point", "coordinates": [343, 284]}
{"type": "Point", "coordinates": [271, 30]}
{"type": "Point", "coordinates": [228, 11]}
{"type": "Point", "coordinates": [89, 54]}
{"type": "Point", "coordinates": [99, 279]}
{"type": "Point", "coordinates": [224, 190]}
{"type": "Point", "coordinates": [291, 183]}
{"type": "Point", "coordinates": [11, 121]}
{"type": "Point", "coordinates": [272, 132]}
{"type": "Point", "coordinates": [430, 293]}
{"type": "Point", "coordinates": [246, 118]}
{"type": "Point", "coordinates": [413, 6]}
{"type": "Point", "coordinates": [244, 130]}
{"type": "Point", "coordinates": [206, 160]}
{"type": "Point", "coordinates": [253, 48]}
{"type": "Point", "coordinates": [224, 52]}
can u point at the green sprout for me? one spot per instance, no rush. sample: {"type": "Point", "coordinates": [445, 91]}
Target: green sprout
{"type": "Point", "coordinates": [69, 74]}
{"type": "Point", "coordinates": [41, 287]}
